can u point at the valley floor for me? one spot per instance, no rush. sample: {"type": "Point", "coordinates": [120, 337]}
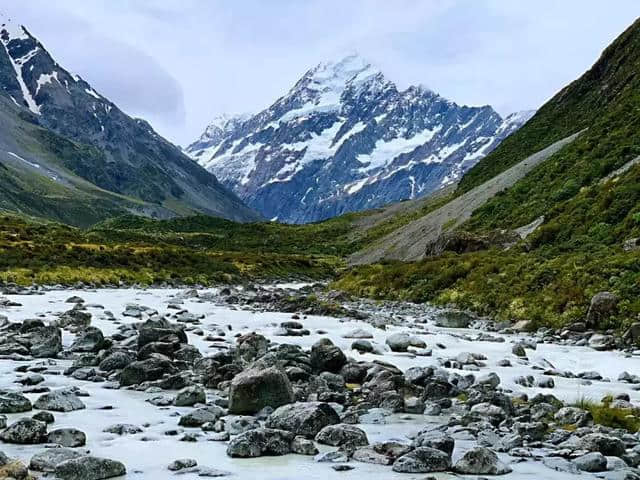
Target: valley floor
{"type": "Point", "coordinates": [146, 454]}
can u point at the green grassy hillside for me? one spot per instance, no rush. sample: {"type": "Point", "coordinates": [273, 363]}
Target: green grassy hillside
{"type": "Point", "coordinates": [589, 212]}
{"type": "Point", "coordinates": [35, 251]}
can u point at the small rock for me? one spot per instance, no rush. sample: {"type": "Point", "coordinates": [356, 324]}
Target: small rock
{"type": "Point", "coordinates": [481, 461]}
{"type": "Point", "coordinates": [181, 464]}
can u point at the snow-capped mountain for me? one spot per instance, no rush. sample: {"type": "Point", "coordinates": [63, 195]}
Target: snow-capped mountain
{"type": "Point", "coordinates": [344, 138]}
{"type": "Point", "coordinates": [221, 127]}
{"type": "Point", "coordinates": [123, 155]}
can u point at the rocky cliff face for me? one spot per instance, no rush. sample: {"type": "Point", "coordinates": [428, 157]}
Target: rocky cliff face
{"type": "Point", "coordinates": [134, 161]}
{"type": "Point", "coordinates": [344, 138]}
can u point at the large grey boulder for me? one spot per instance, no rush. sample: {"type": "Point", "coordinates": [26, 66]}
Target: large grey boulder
{"type": "Point", "coordinates": [259, 442]}
{"type": "Point", "coordinates": [326, 357]}
{"type": "Point", "coordinates": [25, 431]}
{"type": "Point", "coordinates": [435, 439]}
{"type": "Point", "coordinates": [89, 340]}
{"type": "Point", "coordinates": [358, 333]}
{"type": "Point", "coordinates": [181, 464]}
{"type": "Point", "coordinates": [67, 437]}
{"type": "Point", "coordinates": [240, 424]}
{"type": "Point", "coordinates": [43, 341]}
{"type": "Point", "coordinates": [122, 429]}
{"type": "Point", "coordinates": [189, 396]}
{"type": "Point", "coordinates": [423, 460]}
{"type": "Point", "coordinates": [160, 330]}
{"type": "Point", "coordinates": [369, 455]}
{"type": "Point", "coordinates": [572, 416]}
{"type": "Point", "coordinates": [89, 468]}
{"type": "Point", "coordinates": [59, 401]}
{"type": "Point", "coordinates": [605, 444]}
{"type": "Point", "coordinates": [603, 306]}
{"type": "Point", "coordinates": [200, 416]}
{"type": "Point", "coordinates": [481, 461]}
{"type": "Point", "coordinates": [251, 347]}
{"type": "Point", "coordinates": [115, 361]}
{"type": "Point", "coordinates": [255, 389]}
{"type": "Point", "coordinates": [145, 370]}
{"type": "Point", "coordinates": [453, 319]}
{"type": "Point", "coordinates": [399, 342]}
{"type": "Point", "coordinates": [75, 319]}
{"type": "Point", "coordinates": [303, 418]}
{"type": "Point", "coordinates": [591, 462]}
{"type": "Point", "coordinates": [342, 435]}
{"type": "Point", "coordinates": [303, 446]}
{"type": "Point", "coordinates": [13, 402]}
{"type": "Point", "coordinates": [48, 459]}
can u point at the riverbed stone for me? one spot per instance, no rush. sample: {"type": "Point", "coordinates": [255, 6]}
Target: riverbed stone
{"type": "Point", "coordinates": [423, 460]}
{"type": "Point", "coordinates": [67, 437]}
{"type": "Point", "coordinates": [90, 339]}
{"type": "Point", "coordinates": [59, 401]}
{"type": "Point", "coordinates": [256, 388]}
{"type": "Point", "coordinates": [303, 418]}
{"type": "Point", "coordinates": [591, 462]}
{"type": "Point", "coordinates": [200, 416]}
{"type": "Point", "coordinates": [145, 370]}
{"type": "Point", "coordinates": [327, 357]}
{"type": "Point", "coordinates": [259, 442]}
{"type": "Point", "coordinates": [481, 461]}
{"type": "Point", "coordinates": [48, 459]}
{"type": "Point", "coordinates": [342, 435]}
{"type": "Point", "coordinates": [605, 444]}
{"type": "Point", "coordinates": [13, 402]}
{"type": "Point", "coordinates": [25, 431]}
{"type": "Point", "coordinates": [603, 306]}
{"type": "Point", "coordinates": [303, 446]}
{"type": "Point", "coordinates": [399, 342]}
{"type": "Point", "coordinates": [89, 468]}
{"type": "Point", "coordinates": [189, 396]}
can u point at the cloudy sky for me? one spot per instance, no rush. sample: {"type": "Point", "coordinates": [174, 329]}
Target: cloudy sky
{"type": "Point", "coordinates": [178, 63]}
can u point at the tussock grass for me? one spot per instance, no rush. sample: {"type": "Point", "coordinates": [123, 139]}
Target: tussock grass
{"type": "Point", "coordinates": [604, 414]}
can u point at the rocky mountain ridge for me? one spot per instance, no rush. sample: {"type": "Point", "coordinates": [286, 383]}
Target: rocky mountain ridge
{"type": "Point", "coordinates": [129, 158]}
{"type": "Point", "coordinates": [345, 138]}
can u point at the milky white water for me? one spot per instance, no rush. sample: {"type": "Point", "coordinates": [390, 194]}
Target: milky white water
{"type": "Point", "coordinates": [147, 454]}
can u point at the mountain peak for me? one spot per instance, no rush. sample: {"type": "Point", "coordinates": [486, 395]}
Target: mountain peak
{"type": "Point", "coordinates": [343, 70]}
{"type": "Point", "coordinates": [332, 77]}
{"type": "Point", "coordinates": [11, 30]}
{"type": "Point", "coordinates": [222, 126]}
{"type": "Point", "coordinates": [223, 121]}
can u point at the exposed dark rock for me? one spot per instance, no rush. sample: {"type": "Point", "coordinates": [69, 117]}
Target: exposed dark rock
{"type": "Point", "coordinates": [255, 389]}
{"type": "Point", "coordinates": [305, 419]}
{"type": "Point", "coordinates": [89, 468]}
{"type": "Point", "coordinates": [259, 442]}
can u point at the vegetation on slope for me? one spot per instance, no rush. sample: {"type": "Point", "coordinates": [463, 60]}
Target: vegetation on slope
{"type": "Point", "coordinates": [610, 81]}
{"type": "Point", "coordinates": [551, 276]}
{"type": "Point", "coordinates": [49, 253]}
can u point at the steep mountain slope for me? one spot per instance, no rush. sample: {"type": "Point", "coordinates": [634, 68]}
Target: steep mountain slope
{"type": "Point", "coordinates": [34, 180]}
{"type": "Point", "coordinates": [584, 200]}
{"type": "Point", "coordinates": [411, 241]}
{"type": "Point", "coordinates": [131, 159]}
{"type": "Point", "coordinates": [344, 138]}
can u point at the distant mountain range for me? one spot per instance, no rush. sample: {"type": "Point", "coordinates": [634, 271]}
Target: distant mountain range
{"type": "Point", "coordinates": [70, 154]}
{"type": "Point", "coordinates": [345, 138]}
